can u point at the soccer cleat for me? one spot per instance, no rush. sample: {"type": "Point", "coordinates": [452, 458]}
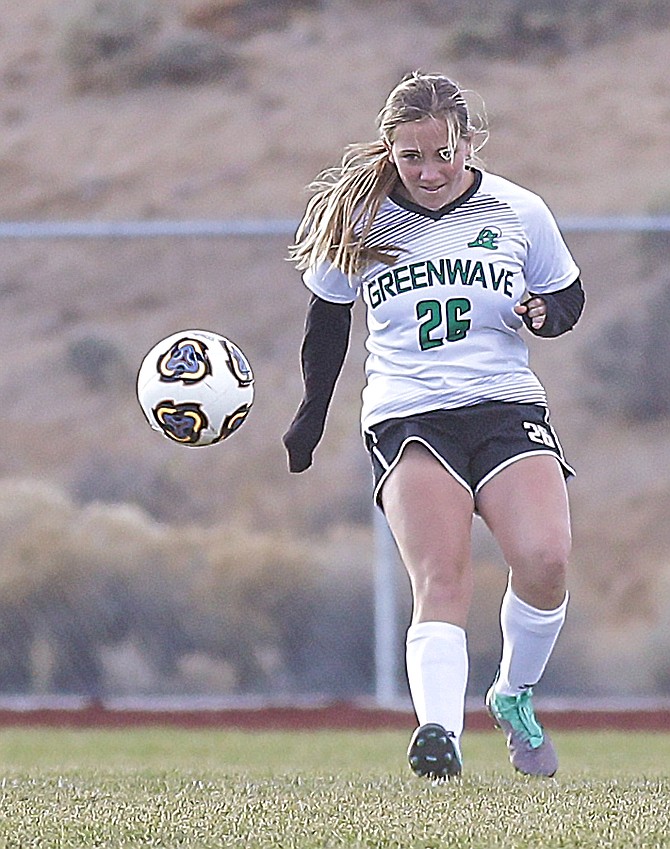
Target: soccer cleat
{"type": "Point", "coordinates": [530, 749]}
{"type": "Point", "coordinates": [432, 752]}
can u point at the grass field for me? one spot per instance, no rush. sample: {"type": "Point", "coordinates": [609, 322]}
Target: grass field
{"type": "Point", "coordinates": [301, 790]}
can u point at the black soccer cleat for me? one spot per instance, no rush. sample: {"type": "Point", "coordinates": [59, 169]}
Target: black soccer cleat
{"type": "Point", "coordinates": [432, 753]}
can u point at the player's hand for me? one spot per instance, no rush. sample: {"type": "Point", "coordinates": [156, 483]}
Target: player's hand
{"type": "Point", "coordinates": [300, 440]}
{"type": "Point", "coordinates": [534, 311]}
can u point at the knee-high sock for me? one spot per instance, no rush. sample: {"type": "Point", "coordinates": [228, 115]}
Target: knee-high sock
{"type": "Point", "coordinates": [529, 636]}
{"type": "Point", "coordinates": [437, 670]}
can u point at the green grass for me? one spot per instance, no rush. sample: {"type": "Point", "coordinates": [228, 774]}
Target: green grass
{"type": "Point", "coordinates": [201, 789]}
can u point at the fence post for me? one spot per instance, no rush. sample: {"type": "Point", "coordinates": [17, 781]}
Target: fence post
{"type": "Point", "coordinates": [386, 613]}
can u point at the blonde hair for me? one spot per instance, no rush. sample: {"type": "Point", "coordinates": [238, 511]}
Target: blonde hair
{"type": "Point", "coordinates": [346, 199]}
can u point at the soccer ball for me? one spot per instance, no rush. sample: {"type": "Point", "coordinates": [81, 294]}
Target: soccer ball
{"type": "Point", "coordinates": [195, 387]}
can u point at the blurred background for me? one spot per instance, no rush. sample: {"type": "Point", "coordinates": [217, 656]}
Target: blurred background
{"type": "Point", "coordinates": [131, 567]}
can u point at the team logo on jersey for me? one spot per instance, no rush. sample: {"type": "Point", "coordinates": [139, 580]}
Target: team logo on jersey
{"type": "Point", "coordinates": [487, 238]}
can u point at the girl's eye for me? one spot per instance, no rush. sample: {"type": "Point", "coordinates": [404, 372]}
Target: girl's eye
{"type": "Point", "coordinates": [447, 154]}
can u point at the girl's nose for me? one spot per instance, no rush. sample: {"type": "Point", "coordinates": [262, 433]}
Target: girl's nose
{"type": "Point", "coordinates": [431, 170]}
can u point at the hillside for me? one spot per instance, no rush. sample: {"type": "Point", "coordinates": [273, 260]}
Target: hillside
{"type": "Point", "coordinates": [590, 132]}
{"type": "Point", "coordinates": [246, 146]}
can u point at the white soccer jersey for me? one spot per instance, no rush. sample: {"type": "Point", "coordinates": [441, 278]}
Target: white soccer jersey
{"type": "Point", "coordinates": [442, 331]}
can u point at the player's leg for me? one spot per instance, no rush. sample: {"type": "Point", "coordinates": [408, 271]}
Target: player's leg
{"type": "Point", "coordinates": [526, 507]}
{"type": "Point", "coordinates": [430, 516]}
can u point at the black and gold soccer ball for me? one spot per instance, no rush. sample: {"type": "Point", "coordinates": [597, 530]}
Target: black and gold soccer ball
{"type": "Point", "coordinates": [195, 387]}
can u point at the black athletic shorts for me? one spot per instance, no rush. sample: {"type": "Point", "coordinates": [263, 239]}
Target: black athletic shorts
{"type": "Point", "coordinates": [472, 443]}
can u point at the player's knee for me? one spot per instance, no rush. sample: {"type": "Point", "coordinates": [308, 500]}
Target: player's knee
{"type": "Point", "coordinates": [547, 553]}
{"type": "Point", "coordinates": [541, 573]}
{"type": "Point", "coordinates": [443, 590]}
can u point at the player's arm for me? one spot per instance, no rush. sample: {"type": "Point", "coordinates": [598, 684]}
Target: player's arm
{"type": "Point", "coordinates": [553, 313]}
{"type": "Point", "coordinates": [324, 347]}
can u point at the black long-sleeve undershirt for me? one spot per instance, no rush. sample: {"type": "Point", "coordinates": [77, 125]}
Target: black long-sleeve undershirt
{"type": "Point", "coordinates": [324, 347]}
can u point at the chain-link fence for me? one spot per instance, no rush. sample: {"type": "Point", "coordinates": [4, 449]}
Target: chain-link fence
{"type": "Point", "coordinates": [131, 566]}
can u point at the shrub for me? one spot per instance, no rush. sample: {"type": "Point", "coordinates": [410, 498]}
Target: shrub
{"type": "Point", "coordinates": [98, 362]}
{"type": "Point", "coordinates": [629, 360]}
{"type": "Point", "coordinates": [537, 27]}
{"type": "Point", "coordinates": [103, 41]}
{"type": "Point", "coordinates": [83, 586]}
{"type": "Point", "coordinates": [187, 58]}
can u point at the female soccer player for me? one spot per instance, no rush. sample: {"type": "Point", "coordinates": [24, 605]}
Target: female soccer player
{"type": "Point", "coordinates": [450, 262]}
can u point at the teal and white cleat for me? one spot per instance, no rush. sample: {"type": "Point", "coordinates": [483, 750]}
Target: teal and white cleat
{"type": "Point", "coordinates": [432, 753]}
{"type": "Point", "coordinates": [530, 748]}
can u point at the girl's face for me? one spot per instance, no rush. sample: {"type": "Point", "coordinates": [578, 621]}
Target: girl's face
{"type": "Point", "coordinates": [431, 173]}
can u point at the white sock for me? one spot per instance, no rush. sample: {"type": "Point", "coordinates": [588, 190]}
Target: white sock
{"type": "Point", "coordinates": [529, 636]}
{"type": "Point", "coordinates": [437, 670]}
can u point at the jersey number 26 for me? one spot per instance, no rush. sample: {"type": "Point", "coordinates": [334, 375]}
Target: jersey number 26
{"type": "Point", "coordinates": [437, 317]}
